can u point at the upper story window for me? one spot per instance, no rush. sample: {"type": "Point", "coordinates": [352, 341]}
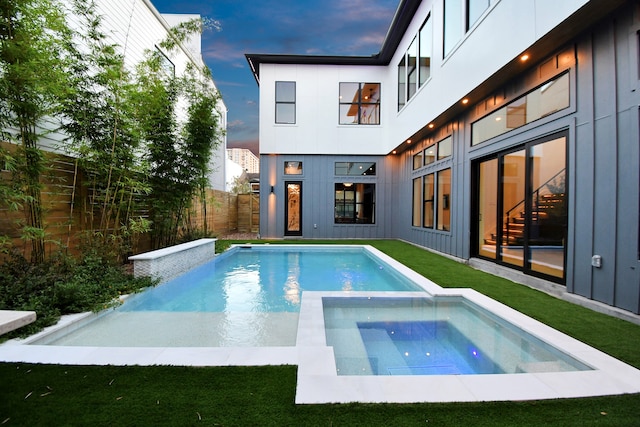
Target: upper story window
{"type": "Point", "coordinates": [355, 168]}
{"type": "Point", "coordinates": [445, 148]}
{"type": "Point", "coordinates": [552, 96]}
{"type": "Point", "coordinates": [359, 103]}
{"type": "Point", "coordinates": [433, 152]}
{"type": "Point", "coordinates": [286, 102]}
{"type": "Point", "coordinates": [459, 17]}
{"type": "Point", "coordinates": [414, 68]}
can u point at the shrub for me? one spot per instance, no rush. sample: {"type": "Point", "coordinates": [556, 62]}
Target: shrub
{"type": "Point", "coordinates": [63, 285]}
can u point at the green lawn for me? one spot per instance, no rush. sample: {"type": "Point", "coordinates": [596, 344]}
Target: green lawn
{"type": "Point", "coordinates": [255, 396]}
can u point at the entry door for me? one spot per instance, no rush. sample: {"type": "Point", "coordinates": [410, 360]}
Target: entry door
{"type": "Point", "coordinates": [293, 209]}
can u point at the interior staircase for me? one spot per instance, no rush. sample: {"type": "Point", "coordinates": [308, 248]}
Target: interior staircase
{"type": "Point", "coordinates": [548, 218]}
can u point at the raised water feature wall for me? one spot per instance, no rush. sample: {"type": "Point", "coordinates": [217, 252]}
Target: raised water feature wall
{"type": "Point", "coordinates": [168, 263]}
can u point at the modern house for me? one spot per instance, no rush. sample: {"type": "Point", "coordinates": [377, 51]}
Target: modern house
{"type": "Point", "coordinates": [504, 133]}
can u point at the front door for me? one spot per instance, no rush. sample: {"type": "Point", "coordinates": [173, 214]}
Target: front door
{"type": "Point", "coordinates": [293, 208]}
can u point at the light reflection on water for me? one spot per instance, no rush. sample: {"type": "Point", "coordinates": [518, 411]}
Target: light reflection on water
{"type": "Point", "coordinates": [269, 281]}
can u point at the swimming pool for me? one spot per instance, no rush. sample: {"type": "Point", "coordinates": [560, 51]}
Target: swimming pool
{"type": "Point", "coordinates": [432, 336]}
{"type": "Point", "coordinates": [246, 297]}
{"type": "Point", "coordinates": [317, 377]}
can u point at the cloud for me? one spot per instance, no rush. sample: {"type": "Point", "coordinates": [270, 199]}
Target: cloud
{"type": "Point", "coordinates": [236, 124]}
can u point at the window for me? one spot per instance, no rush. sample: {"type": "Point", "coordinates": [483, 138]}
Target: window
{"type": "Point", "coordinates": [417, 160]}
{"type": "Point", "coordinates": [432, 193]}
{"type": "Point", "coordinates": [415, 66]}
{"type": "Point", "coordinates": [552, 96]}
{"type": "Point", "coordinates": [430, 154]}
{"type": "Point", "coordinates": [355, 168]}
{"type": "Point", "coordinates": [475, 9]}
{"type": "Point", "coordinates": [412, 69]}
{"type": "Point", "coordinates": [444, 148]}
{"type": "Point", "coordinates": [354, 203]}
{"type": "Point", "coordinates": [439, 151]}
{"type": "Point", "coordinates": [452, 24]}
{"type": "Point", "coordinates": [293, 168]}
{"type": "Point", "coordinates": [402, 83]}
{"type": "Point", "coordinates": [286, 102]}
{"type": "Point", "coordinates": [459, 17]}
{"type": "Point", "coordinates": [428, 191]}
{"type": "Point", "coordinates": [425, 51]}
{"type": "Point", "coordinates": [417, 202]}
{"type": "Point", "coordinates": [444, 200]}
{"type": "Point", "coordinates": [359, 103]}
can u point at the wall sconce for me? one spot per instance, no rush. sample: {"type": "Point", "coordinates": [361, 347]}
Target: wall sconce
{"type": "Point", "coordinates": [272, 189]}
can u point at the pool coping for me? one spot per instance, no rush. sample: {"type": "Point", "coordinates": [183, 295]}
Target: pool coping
{"type": "Point", "coordinates": [318, 381]}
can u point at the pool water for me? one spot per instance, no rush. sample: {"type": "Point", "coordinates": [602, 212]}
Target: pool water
{"type": "Point", "coordinates": [432, 336]}
{"type": "Point", "coordinates": [246, 297]}
{"type": "Point", "coordinates": [259, 279]}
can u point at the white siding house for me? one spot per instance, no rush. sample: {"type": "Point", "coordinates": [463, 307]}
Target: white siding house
{"type": "Point", "coordinates": [503, 133]}
{"type": "Point", "coordinates": [136, 27]}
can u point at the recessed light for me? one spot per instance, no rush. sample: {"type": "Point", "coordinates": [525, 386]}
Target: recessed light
{"type": "Point", "coordinates": [524, 57]}
{"type": "Point", "coordinates": [431, 125]}
{"type": "Point", "coordinates": [465, 101]}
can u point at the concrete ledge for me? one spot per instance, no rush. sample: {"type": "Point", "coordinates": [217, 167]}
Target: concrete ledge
{"type": "Point", "coordinates": [168, 263]}
{"type": "Point", "coordinates": [11, 320]}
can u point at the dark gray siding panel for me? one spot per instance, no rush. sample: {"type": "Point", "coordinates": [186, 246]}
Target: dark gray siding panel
{"type": "Point", "coordinates": [604, 90]}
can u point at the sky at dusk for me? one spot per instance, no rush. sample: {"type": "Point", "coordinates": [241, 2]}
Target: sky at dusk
{"type": "Point", "coordinates": [301, 27]}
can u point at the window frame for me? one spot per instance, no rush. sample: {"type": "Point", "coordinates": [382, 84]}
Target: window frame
{"type": "Point", "coordinates": [516, 105]}
{"type": "Point", "coordinates": [360, 104]}
{"type": "Point", "coordinates": [350, 206]}
{"type": "Point", "coordinates": [410, 71]}
{"type": "Point", "coordinates": [284, 103]}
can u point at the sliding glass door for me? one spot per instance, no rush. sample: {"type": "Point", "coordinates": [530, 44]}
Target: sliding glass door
{"type": "Point", "coordinates": [521, 207]}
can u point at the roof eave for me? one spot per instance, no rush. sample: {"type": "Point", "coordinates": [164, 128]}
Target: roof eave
{"type": "Point", "coordinates": [401, 20]}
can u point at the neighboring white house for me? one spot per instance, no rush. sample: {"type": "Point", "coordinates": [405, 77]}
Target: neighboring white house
{"type": "Point", "coordinates": [501, 132]}
{"type": "Point", "coordinates": [136, 26]}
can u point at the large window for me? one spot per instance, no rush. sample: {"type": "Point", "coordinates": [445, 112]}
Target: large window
{"type": "Point", "coordinates": [355, 168]}
{"type": "Point", "coordinates": [354, 203]}
{"type": "Point", "coordinates": [552, 96]}
{"type": "Point", "coordinates": [286, 102]}
{"type": "Point", "coordinates": [359, 103]}
{"type": "Point", "coordinates": [432, 200]}
{"type": "Point", "coordinates": [414, 68]}
{"type": "Point", "coordinates": [459, 17]}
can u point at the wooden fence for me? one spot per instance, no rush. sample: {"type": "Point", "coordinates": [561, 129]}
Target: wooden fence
{"type": "Point", "coordinates": [63, 194]}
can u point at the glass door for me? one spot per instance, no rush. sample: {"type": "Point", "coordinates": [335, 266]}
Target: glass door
{"type": "Point", "coordinates": [520, 207]}
{"type": "Point", "coordinates": [513, 179]}
{"type": "Point", "coordinates": [547, 201]}
{"type": "Point", "coordinates": [293, 209]}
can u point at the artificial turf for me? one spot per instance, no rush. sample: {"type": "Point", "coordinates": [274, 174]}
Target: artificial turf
{"type": "Point", "coordinates": [32, 395]}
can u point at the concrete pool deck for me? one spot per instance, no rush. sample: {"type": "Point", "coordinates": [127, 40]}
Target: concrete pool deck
{"type": "Point", "coordinates": [318, 381]}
